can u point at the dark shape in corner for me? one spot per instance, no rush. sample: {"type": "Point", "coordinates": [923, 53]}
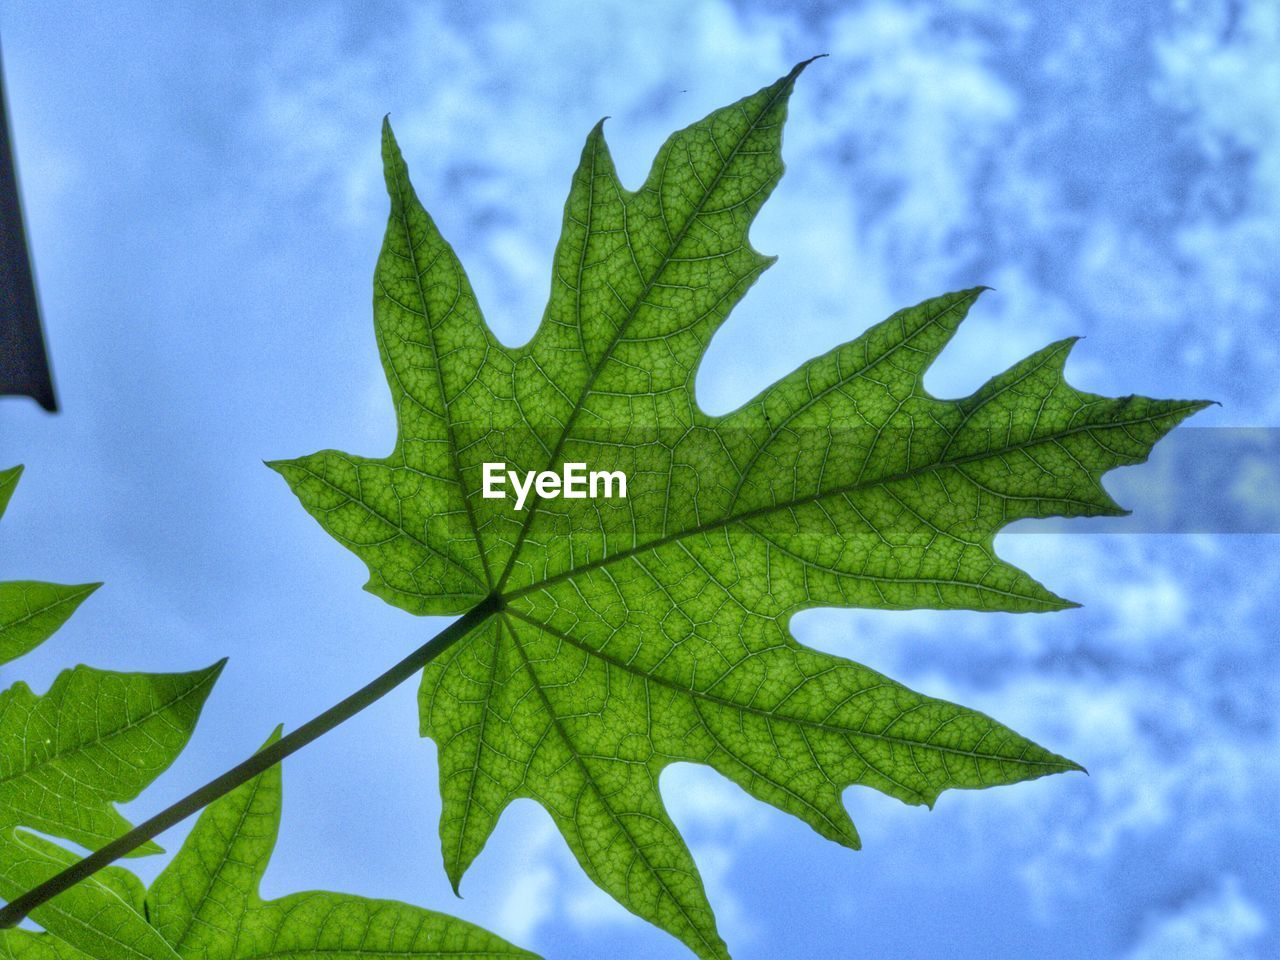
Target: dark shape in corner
{"type": "Point", "coordinates": [24, 364]}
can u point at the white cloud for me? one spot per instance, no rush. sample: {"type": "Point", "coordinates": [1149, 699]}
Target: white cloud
{"type": "Point", "coordinates": [530, 897]}
{"type": "Point", "coordinates": [1220, 923]}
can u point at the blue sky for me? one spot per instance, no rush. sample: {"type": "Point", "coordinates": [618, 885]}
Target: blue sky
{"type": "Point", "coordinates": [205, 206]}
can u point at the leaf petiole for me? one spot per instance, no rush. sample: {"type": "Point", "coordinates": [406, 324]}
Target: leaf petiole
{"type": "Point", "coordinates": [13, 913]}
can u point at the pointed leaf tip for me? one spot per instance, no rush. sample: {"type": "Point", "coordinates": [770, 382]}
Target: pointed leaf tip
{"type": "Point", "coordinates": [803, 64]}
{"type": "Point", "coordinates": [395, 174]}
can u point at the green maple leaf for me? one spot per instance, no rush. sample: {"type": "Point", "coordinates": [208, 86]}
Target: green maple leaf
{"type": "Point", "coordinates": [96, 737]}
{"type": "Point", "coordinates": [205, 904]}
{"type": "Point", "coordinates": [627, 634]}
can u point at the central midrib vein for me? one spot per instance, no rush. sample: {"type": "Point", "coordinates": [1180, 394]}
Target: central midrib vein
{"type": "Point", "coordinates": [604, 798]}
{"type": "Point", "coordinates": [760, 711]}
{"type": "Point", "coordinates": [631, 315]}
{"type": "Point", "coordinates": [822, 495]}
{"type": "Point", "coordinates": [435, 352]}
{"type": "Point", "coordinates": [79, 745]}
{"type": "Point", "coordinates": [216, 878]}
{"type": "Point", "coordinates": [32, 614]}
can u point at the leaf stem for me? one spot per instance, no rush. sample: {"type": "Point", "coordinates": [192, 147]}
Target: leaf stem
{"type": "Point", "coordinates": [313, 729]}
